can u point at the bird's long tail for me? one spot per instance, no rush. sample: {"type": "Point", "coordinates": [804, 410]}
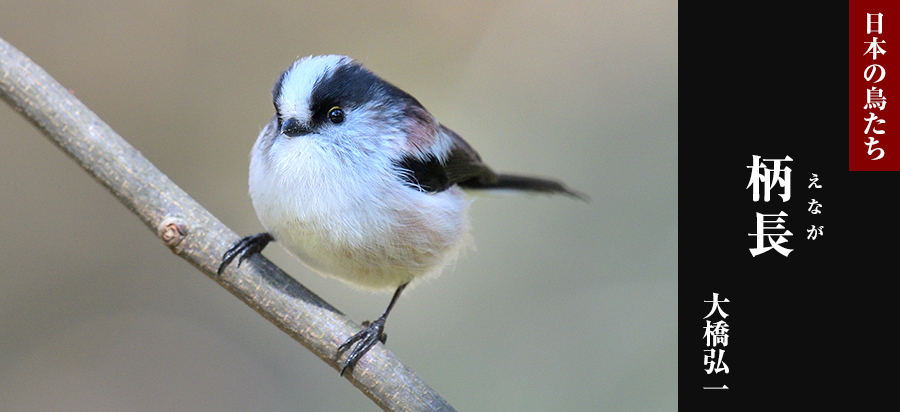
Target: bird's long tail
{"type": "Point", "coordinates": [524, 183]}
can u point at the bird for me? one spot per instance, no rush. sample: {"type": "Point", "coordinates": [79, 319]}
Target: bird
{"type": "Point", "coordinates": [356, 179]}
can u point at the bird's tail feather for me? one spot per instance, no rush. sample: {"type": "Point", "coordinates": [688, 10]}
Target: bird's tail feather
{"type": "Point", "coordinates": [527, 184]}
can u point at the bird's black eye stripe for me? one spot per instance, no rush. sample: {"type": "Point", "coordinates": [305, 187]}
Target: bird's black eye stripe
{"type": "Point", "coordinates": [276, 94]}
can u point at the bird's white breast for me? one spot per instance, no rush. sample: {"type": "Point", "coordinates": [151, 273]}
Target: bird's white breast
{"type": "Point", "coordinates": [345, 215]}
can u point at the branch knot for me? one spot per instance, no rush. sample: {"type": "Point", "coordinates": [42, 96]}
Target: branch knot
{"type": "Point", "coordinates": [172, 231]}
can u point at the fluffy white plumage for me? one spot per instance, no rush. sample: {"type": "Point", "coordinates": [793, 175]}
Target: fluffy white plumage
{"type": "Point", "coordinates": [332, 197]}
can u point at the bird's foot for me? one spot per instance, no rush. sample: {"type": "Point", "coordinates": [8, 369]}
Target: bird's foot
{"type": "Point", "coordinates": [372, 332]}
{"type": "Point", "coordinates": [244, 248]}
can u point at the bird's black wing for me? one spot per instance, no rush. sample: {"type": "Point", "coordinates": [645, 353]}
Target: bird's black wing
{"type": "Point", "coordinates": [428, 174]}
{"type": "Point", "coordinates": [464, 167]}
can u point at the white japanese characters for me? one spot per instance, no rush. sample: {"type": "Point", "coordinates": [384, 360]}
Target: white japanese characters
{"type": "Point", "coordinates": [716, 335]}
{"type": "Point", "coordinates": [874, 97]}
{"type": "Point", "coordinates": [775, 232]}
{"type": "Point", "coordinates": [770, 227]}
{"type": "Point", "coordinates": [771, 232]}
{"type": "Point", "coordinates": [815, 208]}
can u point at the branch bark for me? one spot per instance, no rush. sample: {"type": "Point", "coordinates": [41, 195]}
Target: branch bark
{"type": "Point", "coordinates": [194, 234]}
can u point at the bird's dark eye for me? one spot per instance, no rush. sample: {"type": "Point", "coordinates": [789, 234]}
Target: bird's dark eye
{"type": "Point", "coordinates": [336, 115]}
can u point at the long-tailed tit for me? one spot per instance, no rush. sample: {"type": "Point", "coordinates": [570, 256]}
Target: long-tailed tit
{"type": "Point", "coordinates": [356, 179]}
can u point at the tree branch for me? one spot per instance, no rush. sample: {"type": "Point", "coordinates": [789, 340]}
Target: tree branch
{"type": "Point", "coordinates": [194, 234]}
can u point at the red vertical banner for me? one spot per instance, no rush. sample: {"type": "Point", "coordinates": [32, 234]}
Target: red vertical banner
{"type": "Point", "coordinates": [874, 70]}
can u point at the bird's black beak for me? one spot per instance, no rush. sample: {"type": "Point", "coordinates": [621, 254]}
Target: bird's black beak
{"type": "Point", "coordinates": [293, 128]}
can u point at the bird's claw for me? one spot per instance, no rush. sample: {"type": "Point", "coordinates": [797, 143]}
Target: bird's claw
{"type": "Point", "coordinates": [372, 333]}
{"type": "Point", "coordinates": [245, 247]}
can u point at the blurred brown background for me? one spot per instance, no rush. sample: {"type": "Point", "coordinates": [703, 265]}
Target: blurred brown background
{"type": "Point", "coordinates": [562, 306]}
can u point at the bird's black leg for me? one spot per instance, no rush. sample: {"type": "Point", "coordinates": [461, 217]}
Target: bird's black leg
{"type": "Point", "coordinates": [373, 332]}
{"type": "Point", "coordinates": [244, 248]}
